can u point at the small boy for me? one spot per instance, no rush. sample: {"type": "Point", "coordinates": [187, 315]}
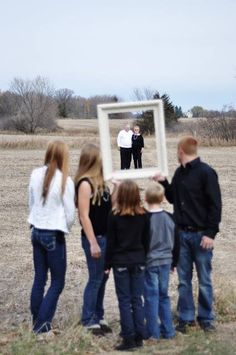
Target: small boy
{"type": "Point", "coordinates": [161, 258]}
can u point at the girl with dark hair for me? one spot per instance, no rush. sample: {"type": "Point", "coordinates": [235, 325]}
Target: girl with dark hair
{"type": "Point", "coordinates": [51, 203]}
{"type": "Point", "coordinates": [127, 246]}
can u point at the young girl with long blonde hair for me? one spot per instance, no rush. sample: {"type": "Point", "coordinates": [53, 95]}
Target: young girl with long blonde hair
{"type": "Point", "coordinates": [51, 204]}
{"type": "Point", "coordinates": [94, 204]}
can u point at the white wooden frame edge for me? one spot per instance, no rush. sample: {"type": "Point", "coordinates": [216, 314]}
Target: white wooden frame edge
{"type": "Point", "coordinates": [104, 110]}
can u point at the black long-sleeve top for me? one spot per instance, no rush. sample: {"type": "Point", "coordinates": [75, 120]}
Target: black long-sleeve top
{"type": "Point", "coordinates": [137, 142]}
{"type": "Point", "coordinates": [195, 194]}
{"type": "Point", "coordinates": [127, 240]}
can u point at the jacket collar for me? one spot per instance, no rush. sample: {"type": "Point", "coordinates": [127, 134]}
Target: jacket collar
{"type": "Point", "coordinates": [192, 164]}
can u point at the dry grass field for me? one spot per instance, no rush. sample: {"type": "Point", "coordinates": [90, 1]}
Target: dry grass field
{"type": "Point", "coordinates": [19, 154]}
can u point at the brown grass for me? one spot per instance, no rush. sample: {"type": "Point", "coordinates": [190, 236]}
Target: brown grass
{"type": "Point", "coordinates": [16, 268]}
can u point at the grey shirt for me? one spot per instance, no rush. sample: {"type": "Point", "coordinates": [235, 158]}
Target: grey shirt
{"type": "Point", "coordinates": [162, 237]}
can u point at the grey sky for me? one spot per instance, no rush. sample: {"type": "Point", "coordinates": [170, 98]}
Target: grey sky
{"type": "Point", "coordinates": [183, 47]}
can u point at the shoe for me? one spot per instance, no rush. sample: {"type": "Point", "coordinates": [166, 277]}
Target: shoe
{"type": "Point", "coordinates": [167, 337]}
{"type": "Point", "coordinates": [183, 326]}
{"type": "Point", "coordinates": [95, 329]}
{"type": "Point", "coordinates": [139, 341]}
{"type": "Point", "coordinates": [207, 327]}
{"type": "Point", "coordinates": [127, 344]}
{"type": "Point", "coordinates": [151, 341]}
{"type": "Point", "coordinates": [104, 326]}
{"type": "Point", "coordinates": [47, 336]}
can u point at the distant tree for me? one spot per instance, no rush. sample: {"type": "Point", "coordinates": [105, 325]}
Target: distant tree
{"type": "Point", "coordinates": [197, 111]}
{"type": "Point", "coordinates": [64, 99]}
{"type": "Point", "coordinates": [7, 104]}
{"type": "Point", "coordinates": [34, 102]}
{"type": "Point", "coordinates": [87, 107]}
{"type": "Point", "coordinates": [145, 119]}
{"type": "Point", "coordinates": [178, 112]}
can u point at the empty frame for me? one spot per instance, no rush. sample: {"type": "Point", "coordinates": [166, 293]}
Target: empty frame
{"type": "Point", "coordinates": [105, 141]}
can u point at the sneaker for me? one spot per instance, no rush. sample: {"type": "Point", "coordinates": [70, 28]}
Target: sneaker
{"type": "Point", "coordinates": [104, 326]}
{"type": "Point", "coordinates": [95, 329]}
{"type": "Point", "coordinates": [152, 341]}
{"type": "Point", "coordinates": [127, 344]}
{"type": "Point", "coordinates": [184, 326]}
{"type": "Point", "coordinates": [207, 327]}
{"type": "Point", "coordinates": [47, 336]}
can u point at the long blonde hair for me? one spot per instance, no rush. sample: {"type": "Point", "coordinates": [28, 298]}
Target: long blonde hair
{"type": "Point", "coordinates": [56, 157]}
{"type": "Point", "coordinates": [128, 200]}
{"type": "Point", "coordinates": [90, 167]}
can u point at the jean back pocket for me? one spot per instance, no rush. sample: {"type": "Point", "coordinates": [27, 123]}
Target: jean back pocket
{"type": "Point", "coordinates": [48, 242]}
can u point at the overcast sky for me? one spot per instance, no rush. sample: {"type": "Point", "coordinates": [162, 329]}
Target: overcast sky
{"type": "Point", "coordinates": [186, 48]}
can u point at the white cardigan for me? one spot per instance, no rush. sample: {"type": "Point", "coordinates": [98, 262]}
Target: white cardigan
{"type": "Point", "coordinates": [58, 212]}
{"type": "Point", "coordinates": [124, 139]}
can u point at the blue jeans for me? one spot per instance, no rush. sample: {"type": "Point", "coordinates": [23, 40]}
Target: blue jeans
{"type": "Point", "coordinates": [191, 252]}
{"type": "Point", "coordinates": [129, 284]}
{"type": "Point", "coordinates": [157, 302]}
{"type": "Point", "coordinates": [93, 311]}
{"type": "Point", "coordinates": [49, 253]}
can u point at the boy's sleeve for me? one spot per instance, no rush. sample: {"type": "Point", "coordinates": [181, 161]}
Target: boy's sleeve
{"type": "Point", "coordinates": [169, 188]}
{"type": "Point", "coordinates": [176, 244]}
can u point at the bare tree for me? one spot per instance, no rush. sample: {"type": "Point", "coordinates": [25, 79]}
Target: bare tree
{"type": "Point", "coordinates": [35, 106]}
{"type": "Point", "coordinates": [143, 94]}
{"type": "Point", "coordinates": [64, 99]}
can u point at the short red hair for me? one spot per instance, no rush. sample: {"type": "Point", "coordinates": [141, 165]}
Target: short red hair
{"type": "Point", "coordinates": [189, 145]}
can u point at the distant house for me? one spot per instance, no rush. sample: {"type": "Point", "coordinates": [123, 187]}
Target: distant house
{"type": "Point", "coordinates": [189, 114]}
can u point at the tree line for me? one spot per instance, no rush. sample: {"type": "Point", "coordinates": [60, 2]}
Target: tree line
{"type": "Point", "coordinates": [199, 112]}
{"type": "Point", "coordinates": [31, 105]}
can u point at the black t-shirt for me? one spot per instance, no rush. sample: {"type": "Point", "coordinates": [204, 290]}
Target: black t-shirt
{"type": "Point", "coordinates": [98, 213]}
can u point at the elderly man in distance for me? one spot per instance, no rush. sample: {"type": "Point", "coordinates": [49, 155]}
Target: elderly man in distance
{"type": "Point", "coordinates": [124, 142]}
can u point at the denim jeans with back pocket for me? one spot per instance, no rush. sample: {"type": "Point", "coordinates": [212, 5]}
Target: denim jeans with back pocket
{"type": "Point", "coordinates": [49, 254]}
{"type": "Point", "coordinates": [129, 284]}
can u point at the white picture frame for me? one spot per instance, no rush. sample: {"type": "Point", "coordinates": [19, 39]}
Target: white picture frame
{"type": "Point", "coordinates": [103, 112]}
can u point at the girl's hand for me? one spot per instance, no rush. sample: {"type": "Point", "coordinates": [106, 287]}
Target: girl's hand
{"type": "Point", "coordinates": [95, 251]}
{"type": "Point", "coordinates": [107, 272]}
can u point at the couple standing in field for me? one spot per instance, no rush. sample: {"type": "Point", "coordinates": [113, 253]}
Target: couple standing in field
{"type": "Point", "coordinates": [130, 143]}
{"type": "Point", "coordinates": [195, 193]}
